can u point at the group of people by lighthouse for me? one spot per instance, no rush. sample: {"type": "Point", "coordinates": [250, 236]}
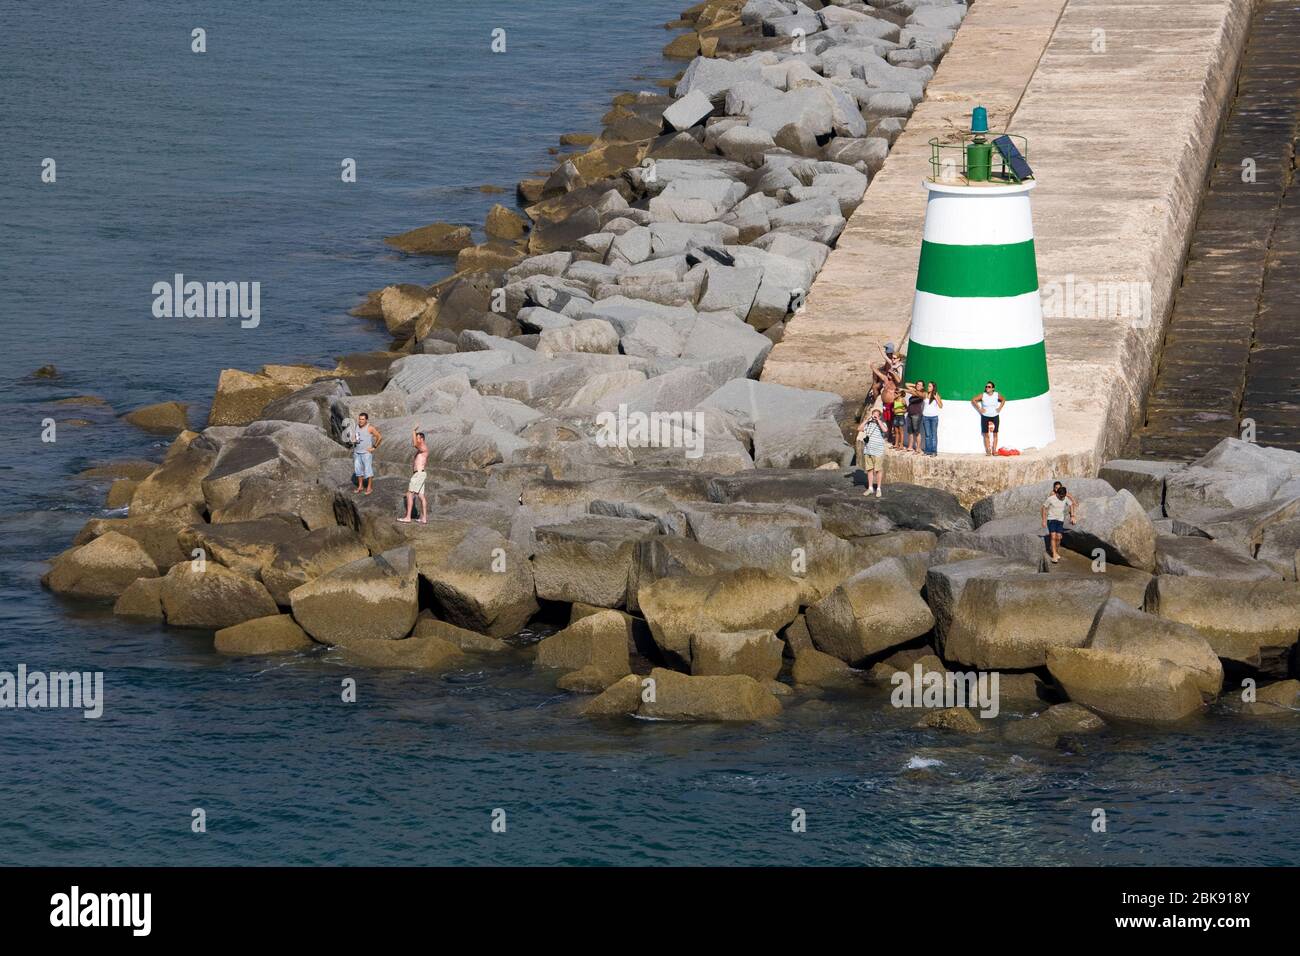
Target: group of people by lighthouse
{"type": "Point", "coordinates": [977, 320]}
{"type": "Point", "coordinates": [904, 416]}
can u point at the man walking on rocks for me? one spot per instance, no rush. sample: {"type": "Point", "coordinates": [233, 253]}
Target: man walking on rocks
{"type": "Point", "coordinates": [367, 439]}
{"type": "Point", "coordinates": [416, 485]}
{"type": "Point", "coordinates": [1055, 508]}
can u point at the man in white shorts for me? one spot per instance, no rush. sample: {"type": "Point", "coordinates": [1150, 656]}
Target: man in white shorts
{"type": "Point", "coordinates": [415, 487]}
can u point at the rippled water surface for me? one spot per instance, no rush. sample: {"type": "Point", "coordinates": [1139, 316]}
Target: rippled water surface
{"type": "Point", "coordinates": [226, 166]}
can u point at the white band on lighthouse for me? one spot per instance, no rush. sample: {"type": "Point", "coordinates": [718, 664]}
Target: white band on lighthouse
{"type": "Point", "coordinates": [984, 323]}
{"type": "Point", "coordinates": [960, 219]}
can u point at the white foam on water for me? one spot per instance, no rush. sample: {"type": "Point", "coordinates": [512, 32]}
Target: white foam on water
{"type": "Point", "coordinates": [923, 763]}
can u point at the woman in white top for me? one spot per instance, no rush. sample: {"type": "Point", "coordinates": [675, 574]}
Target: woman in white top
{"type": "Point", "coordinates": [989, 404]}
{"type": "Point", "coordinates": [930, 420]}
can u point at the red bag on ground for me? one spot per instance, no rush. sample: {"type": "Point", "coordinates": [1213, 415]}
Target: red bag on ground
{"type": "Point", "coordinates": [1008, 451]}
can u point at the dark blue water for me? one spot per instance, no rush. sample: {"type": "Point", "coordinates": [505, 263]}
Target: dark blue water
{"type": "Point", "coordinates": [225, 166]}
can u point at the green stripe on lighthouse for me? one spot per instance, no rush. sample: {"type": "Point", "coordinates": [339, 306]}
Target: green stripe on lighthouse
{"type": "Point", "coordinates": [983, 271]}
{"type": "Point", "coordinates": [961, 373]}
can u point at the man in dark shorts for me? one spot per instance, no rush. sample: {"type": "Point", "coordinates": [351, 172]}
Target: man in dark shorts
{"type": "Point", "coordinates": [1058, 505]}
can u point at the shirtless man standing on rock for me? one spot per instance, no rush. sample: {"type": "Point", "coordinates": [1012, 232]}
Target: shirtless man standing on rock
{"type": "Point", "coordinates": [416, 485]}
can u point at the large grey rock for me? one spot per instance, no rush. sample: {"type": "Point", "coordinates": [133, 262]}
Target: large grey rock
{"type": "Point", "coordinates": [536, 383]}
{"type": "Point", "coordinates": [1280, 548]}
{"type": "Point", "coordinates": [871, 612]}
{"type": "Point", "coordinates": [1195, 490]}
{"type": "Point", "coordinates": [1201, 557]}
{"type": "Point", "coordinates": [1126, 686]}
{"type": "Point", "coordinates": [853, 516]}
{"type": "Point", "coordinates": [713, 337]}
{"type": "Point", "coordinates": [212, 596]}
{"type": "Point", "coordinates": [370, 599]}
{"type": "Point", "coordinates": [1145, 480]}
{"type": "Point", "coordinates": [1243, 529]}
{"type": "Point", "coordinates": [729, 290]}
{"type": "Point", "coordinates": [653, 338]}
{"type": "Point", "coordinates": [817, 560]}
{"type": "Point", "coordinates": [1252, 622]}
{"type": "Point", "coordinates": [666, 557]}
{"type": "Point", "coordinates": [598, 641]}
{"type": "Point", "coordinates": [483, 582]}
{"type": "Point", "coordinates": [779, 486]}
{"type": "Point", "coordinates": [1019, 538]}
{"type": "Point", "coordinates": [689, 110]}
{"type": "Point", "coordinates": [102, 568]}
{"type": "Point", "coordinates": [1248, 458]}
{"type": "Point", "coordinates": [673, 238]}
{"type": "Point", "coordinates": [413, 374]}
{"type": "Point", "coordinates": [680, 606]}
{"type": "Point", "coordinates": [796, 119]}
{"type": "Point", "coordinates": [918, 507]}
{"type": "Point", "coordinates": [945, 584]}
{"type": "Point", "coordinates": [869, 151]}
{"type": "Point", "coordinates": [267, 449]}
{"type": "Point", "coordinates": [823, 211]}
{"type": "Point", "coordinates": [1010, 622]}
{"type": "Point", "coordinates": [1122, 629]}
{"type": "Point", "coordinates": [719, 525]}
{"type": "Point", "coordinates": [798, 24]}
{"type": "Point", "coordinates": [243, 546]}
{"type": "Point", "coordinates": [696, 200]}
{"type": "Point", "coordinates": [757, 654]}
{"type": "Point", "coordinates": [589, 559]}
{"type": "Point", "coordinates": [676, 391]}
{"type": "Point", "coordinates": [1116, 524]}
{"type": "Point", "coordinates": [714, 77]}
{"type": "Point", "coordinates": [730, 697]}
{"type": "Point", "coordinates": [587, 335]}
{"type": "Point", "coordinates": [754, 12]}
{"type": "Point", "coordinates": [916, 548]}
{"type": "Point", "coordinates": [306, 558]}
{"type": "Point", "coordinates": [745, 144]}
{"type": "Point", "coordinates": [750, 402]}
{"type": "Point", "coordinates": [800, 445]}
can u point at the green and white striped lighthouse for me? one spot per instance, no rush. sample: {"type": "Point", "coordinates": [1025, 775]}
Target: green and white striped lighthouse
{"type": "Point", "coordinates": [977, 316]}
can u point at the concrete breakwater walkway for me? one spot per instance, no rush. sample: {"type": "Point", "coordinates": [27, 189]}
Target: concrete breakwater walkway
{"type": "Point", "coordinates": [1121, 103]}
{"type": "Point", "coordinates": [1232, 349]}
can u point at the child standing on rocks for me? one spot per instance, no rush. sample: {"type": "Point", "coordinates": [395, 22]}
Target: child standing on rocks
{"type": "Point", "coordinates": [416, 485]}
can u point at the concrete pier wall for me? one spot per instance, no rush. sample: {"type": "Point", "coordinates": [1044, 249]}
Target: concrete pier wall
{"type": "Point", "coordinates": [1120, 101]}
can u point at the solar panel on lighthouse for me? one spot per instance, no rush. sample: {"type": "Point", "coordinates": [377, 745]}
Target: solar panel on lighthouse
{"type": "Point", "coordinates": [1012, 157]}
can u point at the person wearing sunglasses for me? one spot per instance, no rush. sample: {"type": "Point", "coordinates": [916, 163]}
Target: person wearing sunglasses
{"type": "Point", "coordinates": [989, 404]}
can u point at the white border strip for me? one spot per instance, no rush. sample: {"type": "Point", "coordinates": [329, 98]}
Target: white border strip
{"type": "Point", "coordinates": [983, 323]}
{"type": "Point", "coordinates": [978, 219]}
